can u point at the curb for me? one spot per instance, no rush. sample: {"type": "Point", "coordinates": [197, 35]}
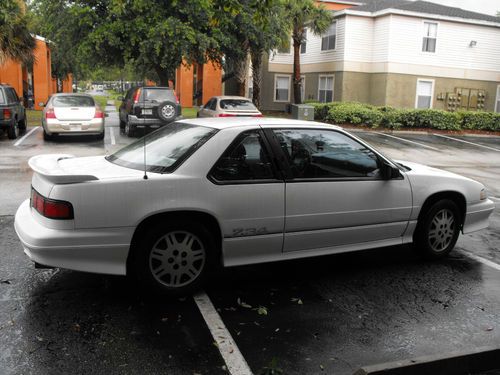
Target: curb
{"type": "Point", "coordinates": [456, 363]}
{"type": "Point", "coordinates": [354, 130]}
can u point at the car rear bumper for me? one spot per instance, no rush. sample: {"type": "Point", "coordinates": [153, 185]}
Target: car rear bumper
{"type": "Point", "coordinates": [94, 126]}
{"type": "Point", "coordinates": [103, 250]}
{"type": "Point", "coordinates": [477, 215]}
{"type": "Point", "coordinates": [140, 122]}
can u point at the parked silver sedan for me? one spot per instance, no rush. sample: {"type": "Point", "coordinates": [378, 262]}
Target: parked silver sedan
{"type": "Point", "coordinates": [229, 106]}
{"type": "Point", "coordinates": [72, 114]}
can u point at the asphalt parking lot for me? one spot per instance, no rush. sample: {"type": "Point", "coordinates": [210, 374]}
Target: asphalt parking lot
{"type": "Point", "coordinates": [329, 315]}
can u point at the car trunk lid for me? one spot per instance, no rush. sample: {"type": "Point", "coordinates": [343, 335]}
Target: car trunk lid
{"type": "Point", "coordinates": [74, 113]}
{"type": "Point", "coordinates": [68, 169]}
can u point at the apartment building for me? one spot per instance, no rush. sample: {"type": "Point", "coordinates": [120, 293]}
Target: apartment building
{"type": "Point", "coordinates": [406, 54]}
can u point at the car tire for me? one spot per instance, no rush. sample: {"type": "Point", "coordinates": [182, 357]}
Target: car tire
{"type": "Point", "coordinates": [13, 130]}
{"type": "Point", "coordinates": [22, 125]}
{"type": "Point", "coordinates": [128, 130]}
{"type": "Point", "coordinates": [122, 125]}
{"type": "Point", "coordinates": [47, 136]}
{"type": "Point", "coordinates": [438, 229]}
{"type": "Point", "coordinates": [167, 111]}
{"type": "Point", "coordinates": [174, 258]}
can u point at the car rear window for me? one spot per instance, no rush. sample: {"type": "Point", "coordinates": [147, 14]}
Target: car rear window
{"type": "Point", "coordinates": [237, 104]}
{"type": "Point", "coordinates": [2, 97]}
{"type": "Point", "coordinates": [73, 101]}
{"type": "Point", "coordinates": [158, 94]}
{"type": "Point", "coordinates": [163, 150]}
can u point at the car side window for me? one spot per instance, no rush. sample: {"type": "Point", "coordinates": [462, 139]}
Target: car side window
{"type": "Point", "coordinates": [11, 95]}
{"type": "Point", "coordinates": [246, 159]}
{"type": "Point", "coordinates": [213, 104]}
{"type": "Point", "coordinates": [321, 154]}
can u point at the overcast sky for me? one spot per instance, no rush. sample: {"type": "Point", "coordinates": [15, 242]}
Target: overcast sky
{"type": "Point", "coordinates": [481, 6]}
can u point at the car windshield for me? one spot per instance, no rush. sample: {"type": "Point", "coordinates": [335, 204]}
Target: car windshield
{"type": "Point", "coordinates": [237, 104]}
{"type": "Point", "coordinates": [73, 101]}
{"type": "Point", "coordinates": [158, 94]}
{"type": "Point", "coordinates": [166, 148]}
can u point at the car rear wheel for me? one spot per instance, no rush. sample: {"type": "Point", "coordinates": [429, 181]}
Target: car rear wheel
{"type": "Point", "coordinates": [47, 136]}
{"type": "Point", "coordinates": [129, 132]}
{"type": "Point", "coordinates": [166, 111]}
{"type": "Point", "coordinates": [438, 229]}
{"type": "Point", "coordinates": [13, 130]}
{"type": "Point", "coordinates": [173, 259]}
{"type": "Point", "coordinates": [22, 125]}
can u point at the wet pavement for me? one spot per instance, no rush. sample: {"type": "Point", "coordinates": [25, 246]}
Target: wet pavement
{"type": "Point", "coordinates": [327, 315]}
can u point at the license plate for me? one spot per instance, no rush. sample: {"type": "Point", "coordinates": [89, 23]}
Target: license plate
{"type": "Point", "coordinates": [147, 111]}
{"type": "Point", "coordinates": [75, 127]}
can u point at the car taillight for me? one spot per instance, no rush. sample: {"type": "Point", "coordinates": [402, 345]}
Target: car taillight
{"type": "Point", "coordinates": [7, 114]}
{"type": "Point", "coordinates": [50, 113]}
{"type": "Point", "coordinates": [98, 113]}
{"type": "Point", "coordinates": [136, 96]}
{"type": "Point", "coordinates": [226, 115]}
{"type": "Point", "coordinates": [51, 208]}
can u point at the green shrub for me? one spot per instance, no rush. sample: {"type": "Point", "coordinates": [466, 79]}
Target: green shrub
{"type": "Point", "coordinates": [358, 113]}
{"type": "Point", "coordinates": [480, 120]}
{"type": "Point", "coordinates": [437, 119]}
{"type": "Point", "coordinates": [354, 113]}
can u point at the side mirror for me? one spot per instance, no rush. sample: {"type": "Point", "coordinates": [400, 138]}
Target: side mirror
{"type": "Point", "coordinates": [41, 104]}
{"type": "Point", "coordinates": [389, 172]}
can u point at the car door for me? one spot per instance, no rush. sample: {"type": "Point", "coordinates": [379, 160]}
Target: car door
{"type": "Point", "coordinates": [335, 193]}
{"type": "Point", "coordinates": [207, 110]}
{"type": "Point", "coordinates": [17, 106]}
{"type": "Point", "coordinates": [249, 196]}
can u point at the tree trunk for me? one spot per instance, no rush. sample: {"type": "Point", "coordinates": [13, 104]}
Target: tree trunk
{"type": "Point", "coordinates": [296, 72]}
{"type": "Point", "coordinates": [257, 56]}
{"type": "Point", "coordinates": [240, 75]}
{"type": "Point", "coordinates": [164, 75]}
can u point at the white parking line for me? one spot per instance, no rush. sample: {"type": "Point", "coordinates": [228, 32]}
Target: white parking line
{"type": "Point", "coordinates": [470, 143]}
{"type": "Point", "coordinates": [112, 135]}
{"type": "Point", "coordinates": [483, 260]}
{"type": "Point", "coordinates": [20, 140]}
{"type": "Point", "coordinates": [408, 141]}
{"type": "Point", "coordinates": [236, 364]}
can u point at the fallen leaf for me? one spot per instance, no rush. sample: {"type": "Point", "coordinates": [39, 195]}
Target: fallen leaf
{"type": "Point", "coordinates": [261, 310]}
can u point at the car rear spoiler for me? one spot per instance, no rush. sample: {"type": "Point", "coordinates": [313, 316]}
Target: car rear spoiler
{"type": "Point", "coordinates": [48, 167]}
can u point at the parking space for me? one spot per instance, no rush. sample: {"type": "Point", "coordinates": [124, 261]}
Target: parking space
{"type": "Point", "coordinates": [327, 315]}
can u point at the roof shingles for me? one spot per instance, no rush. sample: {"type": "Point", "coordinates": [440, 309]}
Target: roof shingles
{"type": "Point", "coordinates": [425, 7]}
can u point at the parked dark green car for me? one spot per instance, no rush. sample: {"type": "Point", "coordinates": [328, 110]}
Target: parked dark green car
{"type": "Point", "coordinates": [12, 113]}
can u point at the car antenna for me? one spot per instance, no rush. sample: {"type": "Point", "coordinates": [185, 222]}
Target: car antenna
{"type": "Point", "coordinates": [145, 177]}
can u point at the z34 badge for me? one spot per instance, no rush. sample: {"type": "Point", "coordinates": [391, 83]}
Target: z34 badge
{"type": "Point", "coordinates": [243, 232]}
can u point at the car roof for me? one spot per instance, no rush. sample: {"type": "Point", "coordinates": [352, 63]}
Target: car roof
{"type": "Point", "coordinates": [222, 97]}
{"type": "Point", "coordinates": [232, 122]}
{"type": "Point", "coordinates": [70, 94]}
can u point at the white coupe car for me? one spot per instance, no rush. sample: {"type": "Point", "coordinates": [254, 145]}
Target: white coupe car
{"type": "Point", "coordinates": [168, 208]}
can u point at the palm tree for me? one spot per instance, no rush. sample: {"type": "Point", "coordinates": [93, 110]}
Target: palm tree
{"type": "Point", "coordinates": [16, 42]}
{"type": "Point", "coordinates": [304, 14]}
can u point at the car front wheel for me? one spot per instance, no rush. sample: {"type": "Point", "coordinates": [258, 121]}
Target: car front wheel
{"type": "Point", "coordinates": [438, 229]}
{"type": "Point", "coordinates": [173, 259]}
{"type": "Point", "coordinates": [13, 131]}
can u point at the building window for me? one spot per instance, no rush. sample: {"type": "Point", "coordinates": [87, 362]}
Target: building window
{"type": "Point", "coordinates": [325, 93]}
{"type": "Point", "coordinates": [430, 35]}
{"type": "Point", "coordinates": [285, 50]}
{"type": "Point", "coordinates": [281, 88]}
{"type": "Point", "coordinates": [425, 89]}
{"type": "Point", "coordinates": [328, 39]}
{"type": "Point", "coordinates": [303, 46]}
{"type": "Point", "coordinates": [497, 107]}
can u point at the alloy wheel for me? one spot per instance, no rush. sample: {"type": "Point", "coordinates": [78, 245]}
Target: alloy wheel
{"type": "Point", "coordinates": [442, 229]}
{"type": "Point", "coordinates": [177, 259]}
